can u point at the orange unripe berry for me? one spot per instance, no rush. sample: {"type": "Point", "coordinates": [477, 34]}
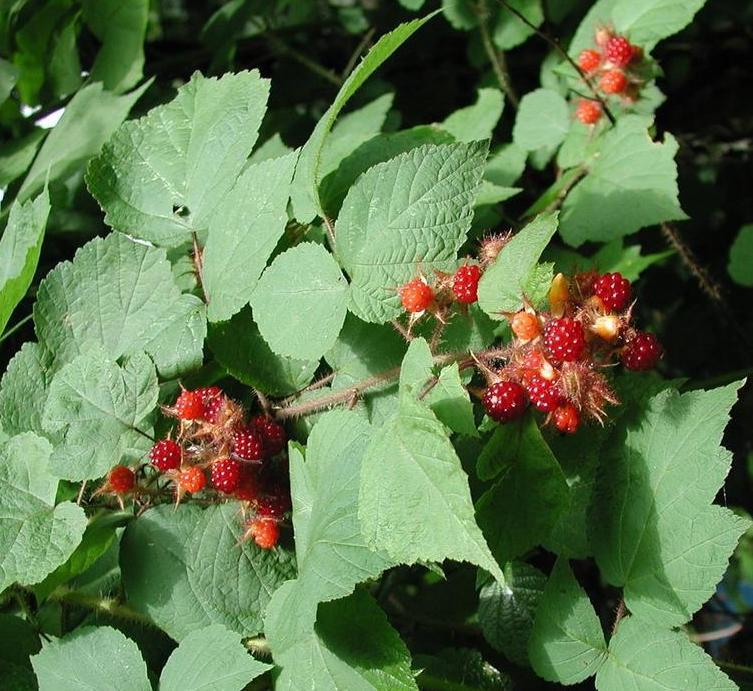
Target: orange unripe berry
{"type": "Point", "coordinates": [607, 328]}
{"type": "Point", "coordinates": [416, 295]}
{"type": "Point", "coordinates": [559, 295]}
{"type": "Point", "coordinates": [567, 418]}
{"type": "Point", "coordinates": [613, 82]}
{"type": "Point", "coordinates": [589, 60]}
{"type": "Point", "coordinates": [588, 111]}
{"type": "Point", "coordinates": [525, 325]}
{"type": "Point", "coordinates": [192, 479]}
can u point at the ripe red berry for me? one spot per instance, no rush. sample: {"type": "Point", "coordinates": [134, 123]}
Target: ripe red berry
{"type": "Point", "coordinates": [588, 111]}
{"type": "Point", "coordinates": [273, 506]}
{"type": "Point", "coordinates": [465, 283]}
{"type": "Point", "coordinates": [272, 433]}
{"type": "Point", "coordinates": [121, 479]}
{"type": "Point", "coordinates": [248, 486]}
{"type": "Point", "coordinates": [619, 51]}
{"type": "Point", "coordinates": [613, 290]}
{"type": "Point", "coordinates": [564, 340]}
{"type": "Point", "coordinates": [189, 405]}
{"type": "Point", "coordinates": [265, 531]}
{"type": "Point", "coordinates": [567, 418]}
{"type": "Point", "coordinates": [525, 325]}
{"type": "Point", "coordinates": [214, 403]}
{"type": "Point", "coordinates": [192, 480]}
{"type": "Point", "coordinates": [165, 455]}
{"type": "Point", "coordinates": [225, 475]}
{"type": "Point", "coordinates": [613, 82]}
{"type": "Point", "coordinates": [208, 392]}
{"type": "Point", "coordinates": [416, 295]}
{"type": "Point", "coordinates": [504, 401]}
{"type": "Point", "coordinates": [589, 60]}
{"type": "Point", "coordinates": [543, 393]}
{"type": "Point", "coordinates": [248, 445]}
{"type": "Point", "coordinates": [642, 352]}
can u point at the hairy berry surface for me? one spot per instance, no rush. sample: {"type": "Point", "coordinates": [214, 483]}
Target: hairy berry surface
{"type": "Point", "coordinates": [544, 394]}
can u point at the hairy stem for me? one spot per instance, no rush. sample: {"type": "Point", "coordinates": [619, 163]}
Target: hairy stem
{"type": "Point", "coordinates": [496, 57]}
{"type": "Point", "coordinates": [16, 327]}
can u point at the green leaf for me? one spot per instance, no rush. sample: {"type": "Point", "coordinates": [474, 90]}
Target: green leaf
{"type": "Point", "coordinates": [353, 647]}
{"type": "Point", "coordinates": [654, 529]}
{"type": "Point", "coordinates": [103, 409]}
{"type": "Point", "coordinates": [120, 27]}
{"type": "Point", "coordinates": [740, 265]}
{"type": "Point", "coordinates": [631, 185]}
{"type": "Point", "coordinates": [504, 283]}
{"type": "Point", "coordinates": [18, 642]}
{"type": "Point", "coordinates": [412, 210]}
{"type": "Point", "coordinates": [300, 302]}
{"type": "Point", "coordinates": [412, 4]}
{"type": "Point", "coordinates": [447, 397]}
{"type": "Point", "coordinates": [20, 246]}
{"type": "Point", "coordinates": [641, 657]}
{"type": "Point", "coordinates": [210, 658]}
{"type": "Point", "coordinates": [186, 570]}
{"type": "Point", "coordinates": [157, 179]}
{"type": "Point", "coordinates": [17, 154]}
{"type": "Point", "coordinates": [505, 165]}
{"type": "Point", "coordinates": [331, 553]}
{"type": "Point", "coordinates": [240, 349]}
{"type": "Point", "coordinates": [35, 535]}
{"type": "Point", "coordinates": [87, 123]}
{"type": "Point", "coordinates": [121, 295]}
{"type": "Point", "coordinates": [383, 147]}
{"type": "Point", "coordinates": [414, 502]}
{"type": "Point", "coordinates": [646, 22]}
{"type": "Point", "coordinates": [461, 14]}
{"type": "Point", "coordinates": [529, 469]}
{"type": "Point", "coordinates": [477, 121]}
{"type": "Point", "coordinates": [24, 388]}
{"type": "Point", "coordinates": [598, 15]}
{"type": "Point", "coordinates": [543, 120]}
{"type": "Point", "coordinates": [567, 644]}
{"type": "Point", "coordinates": [506, 610]}
{"type": "Point", "coordinates": [509, 30]}
{"type": "Point", "coordinates": [306, 202]}
{"type": "Point", "coordinates": [243, 233]}
{"type": "Point", "coordinates": [615, 257]}
{"type": "Point", "coordinates": [8, 77]}
{"type": "Point", "coordinates": [460, 669]}
{"type": "Point", "coordinates": [86, 657]}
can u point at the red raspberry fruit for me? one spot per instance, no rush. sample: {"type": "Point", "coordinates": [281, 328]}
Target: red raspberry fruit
{"type": "Point", "coordinates": [273, 506]}
{"type": "Point", "coordinates": [525, 325]}
{"type": "Point", "coordinates": [619, 51]}
{"type": "Point", "coordinates": [192, 480]}
{"type": "Point", "coordinates": [543, 393]}
{"type": "Point", "coordinates": [613, 82]}
{"type": "Point", "coordinates": [248, 485]}
{"type": "Point", "coordinates": [271, 432]}
{"type": "Point", "coordinates": [248, 445]}
{"type": "Point", "coordinates": [121, 479]}
{"type": "Point", "coordinates": [589, 60]}
{"type": "Point", "coordinates": [209, 392]}
{"type": "Point", "coordinates": [613, 290]}
{"type": "Point", "coordinates": [567, 418]}
{"type": "Point", "coordinates": [588, 111]}
{"type": "Point", "coordinates": [416, 295]}
{"type": "Point", "coordinates": [564, 340]}
{"type": "Point", "coordinates": [504, 401]}
{"type": "Point", "coordinates": [189, 405]}
{"type": "Point", "coordinates": [642, 352]}
{"type": "Point", "coordinates": [265, 531]}
{"type": "Point", "coordinates": [165, 455]}
{"type": "Point", "coordinates": [465, 283]}
{"type": "Point", "coordinates": [226, 475]}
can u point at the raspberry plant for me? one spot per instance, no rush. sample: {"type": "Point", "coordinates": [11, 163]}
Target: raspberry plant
{"type": "Point", "coordinates": [311, 404]}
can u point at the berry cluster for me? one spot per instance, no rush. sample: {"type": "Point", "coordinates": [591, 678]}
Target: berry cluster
{"type": "Point", "coordinates": [556, 358]}
{"type": "Point", "coordinates": [615, 67]}
{"type": "Point", "coordinates": [216, 450]}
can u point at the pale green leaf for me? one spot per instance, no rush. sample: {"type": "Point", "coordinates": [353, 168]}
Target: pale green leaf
{"type": "Point", "coordinates": [87, 657]}
{"type": "Point", "coordinates": [505, 165]}
{"type": "Point", "coordinates": [186, 569]}
{"type": "Point", "coordinates": [35, 535]}
{"type": "Point", "coordinates": [273, 147]}
{"type": "Point", "coordinates": [542, 121]}
{"type": "Point", "coordinates": [631, 185]}
{"type": "Point", "coordinates": [158, 179]}
{"type": "Point", "coordinates": [300, 302]}
{"type": "Point", "coordinates": [477, 121]}
{"type": "Point", "coordinates": [413, 210]}
{"type": "Point", "coordinates": [509, 30]}
{"type": "Point", "coordinates": [243, 234]}
{"type": "Point", "coordinates": [506, 610]}
{"type": "Point", "coordinates": [120, 27]}
{"type": "Point", "coordinates": [461, 14]}
{"type": "Point", "coordinates": [567, 644]}
{"type": "Point", "coordinates": [489, 193]}
{"type": "Point", "coordinates": [503, 285]}
{"type": "Point", "coordinates": [211, 658]}
{"type": "Point", "coordinates": [103, 410]}
{"type": "Point", "coordinates": [740, 265]}
{"type": "Point", "coordinates": [20, 246]}
{"type": "Point", "coordinates": [353, 647]}
{"type": "Point", "coordinates": [654, 529]}
{"type": "Point", "coordinates": [414, 502]}
{"type": "Point", "coordinates": [121, 295]}
{"type": "Point", "coordinates": [87, 123]}
{"type": "Point", "coordinates": [308, 175]}
{"type": "Point", "coordinates": [646, 22]}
